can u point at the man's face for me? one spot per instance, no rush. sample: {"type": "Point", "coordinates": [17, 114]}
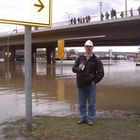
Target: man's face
{"type": "Point", "coordinates": [88, 49]}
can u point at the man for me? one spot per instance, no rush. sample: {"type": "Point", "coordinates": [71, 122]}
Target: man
{"type": "Point", "coordinates": [89, 71]}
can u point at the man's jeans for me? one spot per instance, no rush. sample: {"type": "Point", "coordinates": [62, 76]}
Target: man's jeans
{"type": "Point", "coordinates": [87, 102]}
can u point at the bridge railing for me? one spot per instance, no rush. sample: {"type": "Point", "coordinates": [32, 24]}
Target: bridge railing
{"type": "Point", "coordinates": [96, 18]}
{"type": "Point", "coordinates": [93, 18]}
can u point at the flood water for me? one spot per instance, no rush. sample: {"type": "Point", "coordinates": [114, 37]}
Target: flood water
{"type": "Point", "coordinates": [54, 89]}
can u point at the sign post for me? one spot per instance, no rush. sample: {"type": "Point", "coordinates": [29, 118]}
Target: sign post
{"type": "Point", "coordinates": [28, 77]}
{"type": "Point", "coordinates": [28, 13]}
{"type": "Point", "coordinates": [61, 48]}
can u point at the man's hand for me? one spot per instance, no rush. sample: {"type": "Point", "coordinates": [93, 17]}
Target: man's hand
{"type": "Point", "coordinates": [81, 66]}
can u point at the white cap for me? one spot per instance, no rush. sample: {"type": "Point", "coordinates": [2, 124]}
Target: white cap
{"type": "Point", "coordinates": [88, 43]}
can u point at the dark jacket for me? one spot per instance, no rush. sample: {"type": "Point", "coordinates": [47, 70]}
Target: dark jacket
{"type": "Point", "coordinates": [92, 72]}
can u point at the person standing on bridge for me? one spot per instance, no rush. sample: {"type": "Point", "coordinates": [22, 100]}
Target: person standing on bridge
{"type": "Point", "coordinates": [131, 12]}
{"type": "Point", "coordinates": [138, 10]}
{"type": "Point", "coordinates": [122, 14]}
{"type": "Point", "coordinates": [89, 71]}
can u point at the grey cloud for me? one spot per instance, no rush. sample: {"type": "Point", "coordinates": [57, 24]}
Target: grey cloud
{"type": "Point", "coordinates": [77, 8]}
{"type": "Point", "coordinates": [91, 7]}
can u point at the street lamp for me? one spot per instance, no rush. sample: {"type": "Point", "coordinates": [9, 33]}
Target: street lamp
{"type": "Point", "coordinates": [8, 53]}
{"type": "Point", "coordinates": [16, 29]}
{"type": "Point", "coordinates": [126, 8]}
{"type": "Point", "coordinates": [100, 4]}
{"type": "Point", "coordinates": [68, 15]}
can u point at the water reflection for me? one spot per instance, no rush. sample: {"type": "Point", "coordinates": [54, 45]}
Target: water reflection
{"type": "Point", "coordinates": [54, 94]}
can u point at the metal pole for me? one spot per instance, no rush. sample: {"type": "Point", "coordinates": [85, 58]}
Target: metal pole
{"type": "Point", "coordinates": [68, 15]}
{"type": "Point", "coordinates": [100, 4]}
{"type": "Point", "coordinates": [8, 55]}
{"type": "Point", "coordinates": [16, 29]}
{"type": "Point", "coordinates": [126, 8]}
{"type": "Point", "coordinates": [61, 66]}
{"type": "Point", "coordinates": [8, 74]}
{"type": "Point", "coordinates": [28, 78]}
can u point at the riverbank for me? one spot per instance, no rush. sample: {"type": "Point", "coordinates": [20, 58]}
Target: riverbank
{"type": "Point", "coordinates": [66, 128]}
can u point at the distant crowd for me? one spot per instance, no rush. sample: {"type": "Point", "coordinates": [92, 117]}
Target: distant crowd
{"type": "Point", "coordinates": [113, 15]}
{"type": "Point", "coordinates": [80, 20]}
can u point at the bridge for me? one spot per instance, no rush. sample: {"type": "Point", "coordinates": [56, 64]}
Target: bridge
{"type": "Point", "coordinates": [113, 32]}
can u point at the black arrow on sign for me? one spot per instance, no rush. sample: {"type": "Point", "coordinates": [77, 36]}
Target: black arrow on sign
{"type": "Point", "coordinates": [39, 5]}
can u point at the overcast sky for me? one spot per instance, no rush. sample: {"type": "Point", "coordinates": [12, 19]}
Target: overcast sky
{"type": "Point", "coordinates": [62, 10]}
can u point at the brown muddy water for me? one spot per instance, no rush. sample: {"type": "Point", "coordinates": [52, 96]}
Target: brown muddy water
{"type": "Point", "coordinates": [54, 89]}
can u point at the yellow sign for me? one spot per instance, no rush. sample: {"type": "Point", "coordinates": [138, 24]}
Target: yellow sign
{"type": "Point", "coordinates": [26, 12]}
{"type": "Point", "coordinates": [61, 48]}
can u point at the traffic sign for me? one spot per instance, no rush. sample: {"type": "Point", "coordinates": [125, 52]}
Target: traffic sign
{"type": "Point", "coordinates": [26, 12]}
{"type": "Point", "coordinates": [61, 45]}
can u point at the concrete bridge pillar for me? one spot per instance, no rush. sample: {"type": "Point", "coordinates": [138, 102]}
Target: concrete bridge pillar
{"type": "Point", "coordinates": [53, 54]}
{"type": "Point", "coordinates": [48, 49]}
{"type": "Point", "coordinates": [50, 55]}
{"type": "Point", "coordinates": [9, 56]}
